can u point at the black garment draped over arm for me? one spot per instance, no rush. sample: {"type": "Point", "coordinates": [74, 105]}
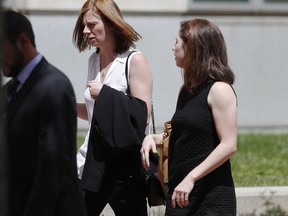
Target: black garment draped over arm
{"type": "Point", "coordinates": [118, 125]}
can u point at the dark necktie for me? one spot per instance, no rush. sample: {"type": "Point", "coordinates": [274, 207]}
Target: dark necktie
{"type": "Point", "coordinates": [11, 89]}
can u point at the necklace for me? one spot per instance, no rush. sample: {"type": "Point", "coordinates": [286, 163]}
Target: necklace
{"type": "Point", "coordinates": [104, 71]}
{"type": "Point", "coordinates": [103, 74]}
{"type": "Point", "coordinates": [104, 68]}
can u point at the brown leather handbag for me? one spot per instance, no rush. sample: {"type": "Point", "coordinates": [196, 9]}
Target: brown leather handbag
{"type": "Point", "coordinates": [163, 153]}
{"type": "Point", "coordinates": [157, 182]}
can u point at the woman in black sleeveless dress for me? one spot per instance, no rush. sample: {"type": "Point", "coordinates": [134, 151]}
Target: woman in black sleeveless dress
{"type": "Point", "coordinates": [204, 126]}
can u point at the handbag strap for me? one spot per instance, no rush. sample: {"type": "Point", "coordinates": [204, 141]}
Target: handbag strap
{"type": "Point", "coordinates": [153, 119]}
{"type": "Point", "coordinates": [126, 71]}
{"type": "Point", "coordinates": [128, 92]}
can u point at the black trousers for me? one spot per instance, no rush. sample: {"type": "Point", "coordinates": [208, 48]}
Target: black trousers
{"type": "Point", "coordinates": [127, 197]}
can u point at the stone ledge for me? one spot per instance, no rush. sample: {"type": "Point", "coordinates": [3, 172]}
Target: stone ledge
{"type": "Point", "coordinates": [124, 5]}
{"type": "Point", "coordinates": [255, 199]}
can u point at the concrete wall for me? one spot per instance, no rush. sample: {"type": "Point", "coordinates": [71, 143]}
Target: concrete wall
{"type": "Point", "coordinates": [257, 47]}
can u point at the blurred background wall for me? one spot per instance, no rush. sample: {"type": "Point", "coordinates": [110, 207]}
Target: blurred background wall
{"type": "Point", "coordinates": [255, 31]}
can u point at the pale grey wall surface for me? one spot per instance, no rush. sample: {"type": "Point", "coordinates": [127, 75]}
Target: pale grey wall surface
{"type": "Point", "coordinates": [257, 48]}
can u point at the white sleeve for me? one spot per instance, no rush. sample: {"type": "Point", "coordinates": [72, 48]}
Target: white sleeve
{"type": "Point", "coordinates": [81, 156]}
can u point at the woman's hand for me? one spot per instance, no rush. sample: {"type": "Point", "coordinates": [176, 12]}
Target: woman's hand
{"type": "Point", "coordinates": [181, 193]}
{"type": "Point", "coordinates": [148, 144]}
{"type": "Point", "coordinates": [94, 88]}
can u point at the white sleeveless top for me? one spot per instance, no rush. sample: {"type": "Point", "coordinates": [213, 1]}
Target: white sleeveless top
{"type": "Point", "coordinates": [115, 78]}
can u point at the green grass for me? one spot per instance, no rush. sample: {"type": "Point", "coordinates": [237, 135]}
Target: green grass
{"type": "Point", "coordinates": [80, 140]}
{"type": "Point", "coordinates": [261, 160]}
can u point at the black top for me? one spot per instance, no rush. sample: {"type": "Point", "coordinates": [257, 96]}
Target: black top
{"type": "Point", "coordinates": [193, 138]}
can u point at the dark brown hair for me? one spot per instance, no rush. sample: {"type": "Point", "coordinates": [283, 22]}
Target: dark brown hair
{"type": "Point", "coordinates": [111, 15]}
{"type": "Point", "coordinates": [15, 23]}
{"type": "Point", "coordinates": [205, 54]}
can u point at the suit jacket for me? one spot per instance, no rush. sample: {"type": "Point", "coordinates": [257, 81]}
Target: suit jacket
{"type": "Point", "coordinates": [116, 135]}
{"type": "Point", "coordinates": [41, 128]}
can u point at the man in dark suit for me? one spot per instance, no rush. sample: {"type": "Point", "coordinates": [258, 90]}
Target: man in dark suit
{"type": "Point", "coordinates": [40, 127]}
